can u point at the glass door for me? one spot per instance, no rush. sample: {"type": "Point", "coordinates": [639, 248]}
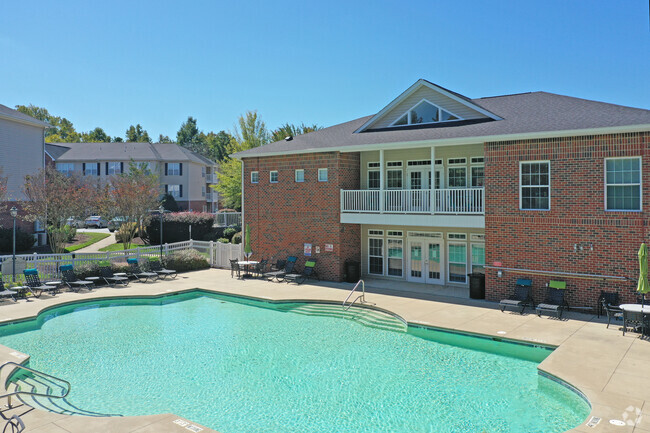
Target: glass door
{"type": "Point", "coordinates": [425, 262]}
{"type": "Point", "coordinates": [416, 262]}
{"type": "Point", "coordinates": [434, 267]}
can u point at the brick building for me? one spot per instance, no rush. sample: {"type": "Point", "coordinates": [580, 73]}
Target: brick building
{"type": "Point", "coordinates": [437, 185]}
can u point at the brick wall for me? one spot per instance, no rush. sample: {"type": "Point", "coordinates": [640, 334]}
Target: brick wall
{"type": "Point", "coordinates": [284, 216]}
{"type": "Point", "coordinates": [544, 240]}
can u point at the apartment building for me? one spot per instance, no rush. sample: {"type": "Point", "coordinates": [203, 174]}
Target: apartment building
{"type": "Point", "coordinates": [436, 185]}
{"type": "Point", "coordinates": [184, 174]}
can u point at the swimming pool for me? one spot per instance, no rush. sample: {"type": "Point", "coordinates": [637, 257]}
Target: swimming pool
{"type": "Point", "coordinates": [237, 365]}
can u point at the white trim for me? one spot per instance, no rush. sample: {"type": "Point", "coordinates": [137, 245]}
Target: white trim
{"type": "Point", "coordinates": [471, 175]}
{"type": "Point", "coordinates": [401, 170]}
{"type": "Point", "coordinates": [605, 184]}
{"type": "Point", "coordinates": [450, 163]}
{"type": "Point", "coordinates": [326, 175]}
{"type": "Point", "coordinates": [373, 170]}
{"type": "Point", "coordinates": [295, 175]}
{"type": "Point", "coordinates": [471, 261]}
{"type": "Point", "coordinates": [449, 262]}
{"type": "Point", "coordinates": [383, 254]}
{"type": "Point", "coordinates": [464, 238]}
{"type": "Point", "coordinates": [402, 243]}
{"type": "Point", "coordinates": [35, 122]}
{"type": "Point", "coordinates": [379, 232]}
{"type": "Point", "coordinates": [549, 183]}
{"type": "Point", "coordinates": [482, 162]}
{"type": "Point", "coordinates": [408, 115]}
{"type": "Point", "coordinates": [258, 177]}
{"type": "Point", "coordinates": [271, 176]}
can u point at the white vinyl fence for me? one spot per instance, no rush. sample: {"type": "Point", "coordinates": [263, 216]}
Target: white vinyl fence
{"type": "Point", "coordinates": [218, 256]}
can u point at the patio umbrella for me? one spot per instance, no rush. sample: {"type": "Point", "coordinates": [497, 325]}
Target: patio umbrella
{"type": "Point", "coordinates": [248, 251]}
{"type": "Point", "coordinates": [643, 287]}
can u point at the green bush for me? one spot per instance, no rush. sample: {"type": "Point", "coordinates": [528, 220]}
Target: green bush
{"type": "Point", "coordinates": [126, 232]}
{"type": "Point", "coordinates": [236, 239]}
{"type": "Point", "coordinates": [86, 269]}
{"type": "Point", "coordinates": [69, 233]}
{"type": "Point", "coordinates": [223, 240]}
{"type": "Point", "coordinates": [169, 203]}
{"type": "Point", "coordinates": [229, 232]}
{"type": "Point", "coordinates": [176, 227]}
{"type": "Point", "coordinates": [24, 240]}
{"type": "Point", "coordinates": [186, 260]}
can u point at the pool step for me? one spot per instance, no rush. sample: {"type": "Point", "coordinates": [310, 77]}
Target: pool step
{"type": "Point", "coordinates": [28, 382]}
{"type": "Point", "coordinates": [366, 317]}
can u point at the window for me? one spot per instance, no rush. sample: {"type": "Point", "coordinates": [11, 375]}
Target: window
{"type": "Point", "coordinates": [322, 175]}
{"type": "Point", "coordinates": [394, 257]}
{"type": "Point", "coordinates": [478, 258]}
{"type": "Point", "coordinates": [173, 169]}
{"type": "Point", "coordinates": [175, 191]}
{"type": "Point", "coordinates": [424, 112]}
{"type": "Point", "coordinates": [394, 179]}
{"type": "Point", "coordinates": [478, 159]}
{"type": "Point", "coordinates": [426, 162]}
{"type": "Point", "coordinates": [202, 171]}
{"type": "Point", "coordinates": [395, 233]}
{"type": "Point", "coordinates": [91, 169]}
{"type": "Point", "coordinates": [113, 168]}
{"type": "Point", "coordinates": [535, 185]}
{"type": "Point", "coordinates": [299, 175]}
{"type": "Point", "coordinates": [375, 256]}
{"type": "Point", "coordinates": [457, 263]}
{"type": "Point", "coordinates": [376, 232]}
{"type": "Point", "coordinates": [273, 176]}
{"type": "Point", "coordinates": [477, 176]}
{"type": "Point", "coordinates": [623, 184]}
{"type": "Point", "coordinates": [373, 179]}
{"type": "Point", "coordinates": [456, 177]}
{"type": "Point", "coordinates": [65, 167]}
{"type": "Point", "coordinates": [255, 176]}
{"type": "Point", "coordinates": [203, 191]}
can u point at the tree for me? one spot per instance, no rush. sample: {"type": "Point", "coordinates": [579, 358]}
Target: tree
{"type": "Point", "coordinates": [169, 203]}
{"type": "Point", "coordinates": [217, 145]}
{"type": "Point", "coordinates": [251, 132]}
{"type": "Point", "coordinates": [132, 195]}
{"type": "Point", "coordinates": [291, 130]}
{"type": "Point", "coordinates": [188, 135]}
{"type": "Point", "coordinates": [136, 134]}
{"type": "Point", "coordinates": [164, 139]}
{"type": "Point", "coordinates": [97, 135]}
{"type": "Point", "coordinates": [62, 131]}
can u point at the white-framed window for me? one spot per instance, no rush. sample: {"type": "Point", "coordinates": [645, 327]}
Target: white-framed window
{"type": "Point", "coordinates": [202, 171]}
{"type": "Point", "coordinates": [299, 175]}
{"type": "Point", "coordinates": [478, 258]}
{"type": "Point", "coordinates": [623, 184]}
{"type": "Point", "coordinates": [65, 167]}
{"type": "Point", "coordinates": [394, 175]}
{"type": "Point", "coordinates": [373, 175]}
{"type": "Point", "coordinates": [175, 191]}
{"type": "Point", "coordinates": [372, 232]}
{"type": "Point", "coordinates": [457, 262]}
{"type": "Point", "coordinates": [273, 176]}
{"type": "Point", "coordinates": [478, 177]}
{"type": "Point", "coordinates": [376, 256]}
{"type": "Point", "coordinates": [91, 169]}
{"type": "Point", "coordinates": [322, 175]}
{"type": "Point", "coordinates": [424, 112]}
{"type": "Point", "coordinates": [255, 176]}
{"type": "Point", "coordinates": [173, 169]}
{"type": "Point", "coordinates": [395, 256]}
{"type": "Point", "coordinates": [535, 185]}
{"type": "Point", "coordinates": [456, 236]}
{"type": "Point", "coordinates": [113, 168]}
{"type": "Point", "coordinates": [456, 173]}
{"type": "Point", "coordinates": [395, 233]}
{"type": "Point", "coordinates": [203, 191]}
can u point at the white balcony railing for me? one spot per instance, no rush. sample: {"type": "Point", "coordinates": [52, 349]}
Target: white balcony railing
{"type": "Point", "coordinates": [211, 197]}
{"type": "Point", "coordinates": [446, 201]}
{"type": "Point", "coordinates": [211, 178]}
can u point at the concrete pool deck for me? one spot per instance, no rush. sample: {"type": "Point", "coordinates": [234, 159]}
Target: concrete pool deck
{"type": "Point", "coordinates": [609, 368]}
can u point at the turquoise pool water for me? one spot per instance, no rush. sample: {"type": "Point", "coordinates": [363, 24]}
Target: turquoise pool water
{"type": "Point", "coordinates": [238, 366]}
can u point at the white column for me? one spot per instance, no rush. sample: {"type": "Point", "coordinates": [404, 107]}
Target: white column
{"type": "Point", "coordinates": [381, 181]}
{"type": "Point", "coordinates": [433, 180]}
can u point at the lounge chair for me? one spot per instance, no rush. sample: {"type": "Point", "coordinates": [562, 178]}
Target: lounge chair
{"type": "Point", "coordinates": [260, 268]}
{"type": "Point", "coordinates": [554, 302]}
{"type": "Point", "coordinates": [307, 272]}
{"type": "Point", "coordinates": [138, 273]}
{"type": "Point", "coordinates": [613, 312]}
{"type": "Point", "coordinates": [70, 279]}
{"type": "Point", "coordinates": [6, 293]}
{"type": "Point", "coordinates": [279, 275]}
{"type": "Point", "coordinates": [33, 281]}
{"type": "Point", "coordinates": [111, 279]}
{"type": "Point", "coordinates": [156, 266]}
{"type": "Point", "coordinates": [522, 297]}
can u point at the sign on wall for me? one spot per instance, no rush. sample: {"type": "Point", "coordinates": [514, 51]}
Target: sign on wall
{"type": "Point", "coordinates": [329, 248]}
{"type": "Point", "coordinates": [307, 249]}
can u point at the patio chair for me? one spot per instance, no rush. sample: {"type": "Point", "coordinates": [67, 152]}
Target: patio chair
{"type": "Point", "coordinates": [138, 273]}
{"type": "Point", "coordinates": [613, 312]}
{"type": "Point", "coordinates": [279, 265]}
{"type": "Point", "coordinates": [279, 275]}
{"type": "Point", "coordinates": [37, 288]}
{"type": "Point", "coordinates": [307, 272]}
{"type": "Point", "coordinates": [554, 302]}
{"type": "Point", "coordinates": [522, 297]}
{"type": "Point", "coordinates": [234, 268]}
{"type": "Point", "coordinates": [634, 320]}
{"type": "Point", "coordinates": [111, 279]}
{"type": "Point", "coordinates": [70, 279]}
{"type": "Point", "coordinates": [260, 268]}
{"type": "Point", "coordinates": [157, 267]}
{"type": "Point", "coordinates": [610, 298]}
{"type": "Point", "coordinates": [6, 293]}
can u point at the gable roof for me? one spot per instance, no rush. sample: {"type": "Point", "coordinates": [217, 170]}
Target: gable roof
{"type": "Point", "coordinates": [17, 116]}
{"type": "Point", "coordinates": [523, 116]}
{"type": "Point", "coordinates": [164, 152]}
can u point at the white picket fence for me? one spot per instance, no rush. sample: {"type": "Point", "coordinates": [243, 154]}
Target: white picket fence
{"type": "Point", "coordinates": [218, 256]}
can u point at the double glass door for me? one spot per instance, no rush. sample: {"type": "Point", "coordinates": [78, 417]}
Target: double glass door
{"type": "Point", "coordinates": [425, 261]}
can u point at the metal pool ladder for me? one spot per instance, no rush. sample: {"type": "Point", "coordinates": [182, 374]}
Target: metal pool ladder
{"type": "Point", "coordinates": [361, 298]}
{"type": "Point", "coordinates": [32, 393]}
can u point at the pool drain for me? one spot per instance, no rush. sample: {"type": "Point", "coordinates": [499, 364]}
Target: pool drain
{"type": "Point", "coordinates": [617, 422]}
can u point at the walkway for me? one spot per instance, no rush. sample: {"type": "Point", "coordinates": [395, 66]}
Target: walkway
{"type": "Point", "coordinates": [98, 245]}
{"type": "Point", "coordinates": [610, 369]}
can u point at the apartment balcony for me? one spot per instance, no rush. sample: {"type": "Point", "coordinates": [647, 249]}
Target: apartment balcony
{"type": "Point", "coordinates": [211, 178]}
{"type": "Point", "coordinates": [211, 197]}
{"type": "Point", "coordinates": [451, 207]}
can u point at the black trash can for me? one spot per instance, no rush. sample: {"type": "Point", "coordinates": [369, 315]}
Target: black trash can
{"type": "Point", "coordinates": [352, 271]}
{"type": "Point", "coordinates": [476, 285]}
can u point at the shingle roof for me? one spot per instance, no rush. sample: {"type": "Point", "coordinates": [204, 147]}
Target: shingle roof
{"type": "Point", "coordinates": [124, 151]}
{"type": "Point", "coordinates": [55, 150]}
{"type": "Point", "coordinates": [525, 113]}
{"type": "Point", "coordinates": [10, 113]}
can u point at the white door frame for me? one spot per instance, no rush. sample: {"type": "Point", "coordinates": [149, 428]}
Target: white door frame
{"type": "Point", "coordinates": [424, 244]}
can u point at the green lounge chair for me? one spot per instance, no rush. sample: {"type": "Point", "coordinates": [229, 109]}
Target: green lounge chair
{"type": "Point", "coordinates": [307, 273]}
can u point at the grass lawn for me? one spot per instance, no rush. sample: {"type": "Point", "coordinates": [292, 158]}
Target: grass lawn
{"type": "Point", "coordinates": [119, 247]}
{"type": "Point", "coordinates": [85, 239]}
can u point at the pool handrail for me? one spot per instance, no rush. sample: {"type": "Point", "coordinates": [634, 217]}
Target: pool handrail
{"type": "Point", "coordinates": [361, 298]}
{"type": "Point", "coordinates": [35, 394]}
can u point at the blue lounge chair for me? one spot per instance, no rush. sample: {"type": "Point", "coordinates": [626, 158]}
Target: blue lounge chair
{"type": "Point", "coordinates": [279, 275]}
{"type": "Point", "coordinates": [33, 281]}
{"type": "Point", "coordinates": [522, 297]}
{"type": "Point", "coordinates": [70, 279]}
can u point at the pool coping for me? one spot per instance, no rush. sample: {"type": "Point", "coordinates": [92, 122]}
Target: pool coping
{"type": "Point", "coordinates": [597, 399]}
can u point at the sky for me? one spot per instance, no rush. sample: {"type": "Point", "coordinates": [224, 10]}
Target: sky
{"type": "Point", "coordinates": [117, 63]}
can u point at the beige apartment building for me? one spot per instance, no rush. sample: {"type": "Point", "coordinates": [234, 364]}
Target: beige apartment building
{"type": "Point", "coordinates": [184, 174]}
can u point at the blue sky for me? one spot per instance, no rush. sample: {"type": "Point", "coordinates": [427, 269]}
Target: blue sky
{"type": "Point", "coordinates": [117, 63]}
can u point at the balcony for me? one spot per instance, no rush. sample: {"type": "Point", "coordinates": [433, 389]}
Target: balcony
{"type": "Point", "coordinates": [211, 178]}
{"type": "Point", "coordinates": [446, 207]}
{"type": "Point", "coordinates": [211, 197]}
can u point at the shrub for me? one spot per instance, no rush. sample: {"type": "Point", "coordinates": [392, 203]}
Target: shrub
{"type": "Point", "coordinates": [223, 240]}
{"type": "Point", "coordinates": [69, 233]}
{"type": "Point", "coordinates": [176, 227]}
{"type": "Point", "coordinates": [126, 232]}
{"type": "Point", "coordinates": [169, 203]}
{"type": "Point", "coordinates": [236, 239]}
{"type": "Point", "coordinates": [86, 269]}
{"type": "Point", "coordinates": [186, 260]}
{"type": "Point", "coordinates": [24, 240]}
{"type": "Point", "coordinates": [229, 232]}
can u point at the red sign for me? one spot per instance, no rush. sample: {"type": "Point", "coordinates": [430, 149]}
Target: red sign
{"type": "Point", "coordinates": [497, 264]}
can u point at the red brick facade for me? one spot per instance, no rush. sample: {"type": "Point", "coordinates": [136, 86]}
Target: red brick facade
{"type": "Point", "coordinates": [284, 216]}
{"type": "Point", "coordinates": [545, 240]}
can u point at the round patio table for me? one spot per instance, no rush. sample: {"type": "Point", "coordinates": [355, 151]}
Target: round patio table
{"type": "Point", "coordinates": [636, 308]}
